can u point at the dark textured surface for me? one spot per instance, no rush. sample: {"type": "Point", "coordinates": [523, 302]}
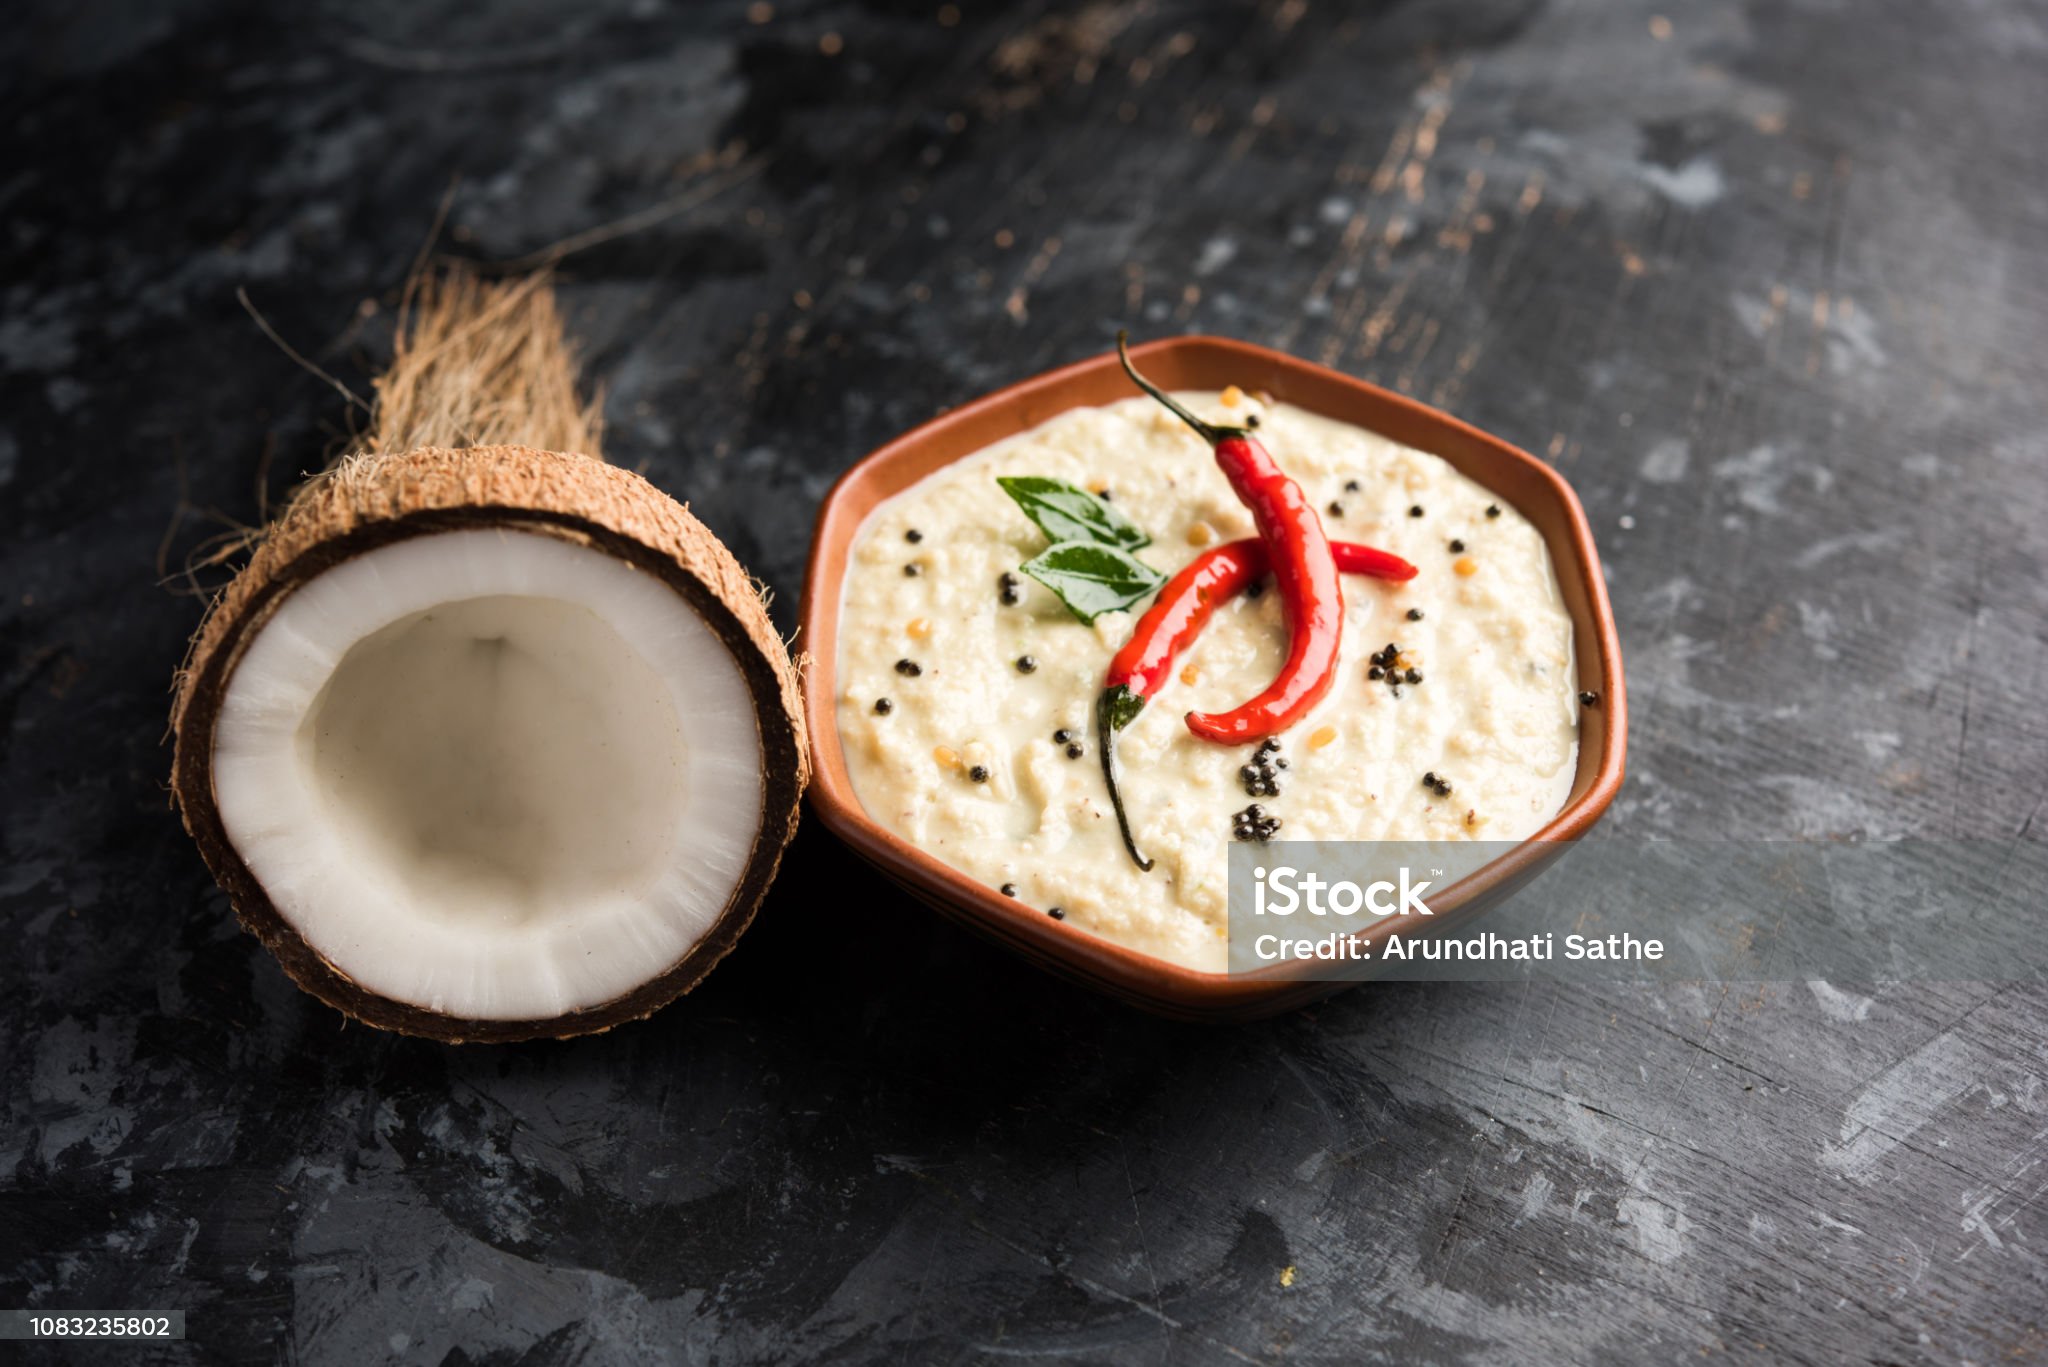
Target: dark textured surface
{"type": "Point", "coordinates": [1766, 282]}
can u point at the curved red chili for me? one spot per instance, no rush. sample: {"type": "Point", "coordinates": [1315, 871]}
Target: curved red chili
{"type": "Point", "coordinates": [1305, 572]}
{"type": "Point", "coordinates": [1303, 569]}
{"type": "Point", "coordinates": [1206, 583]}
{"type": "Point", "coordinates": [1176, 617]}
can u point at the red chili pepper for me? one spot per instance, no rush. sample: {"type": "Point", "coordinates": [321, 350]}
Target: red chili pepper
{"type": "Point", "coordinates": [1303, 569]}
{"type": "Point", "coordinates": [1176, 617]}
{"type": "Point", "coordinates": [1305, 573]}
{"type": "Point", "coordinates": [1206, 583]}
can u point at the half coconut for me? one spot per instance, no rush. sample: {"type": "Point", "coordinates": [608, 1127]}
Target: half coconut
{"type": "Point", "coordinates": [490, 743]}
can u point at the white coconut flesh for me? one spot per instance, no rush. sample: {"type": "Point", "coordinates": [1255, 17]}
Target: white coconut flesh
{"type": "Point", "coordinates": [493, 774]}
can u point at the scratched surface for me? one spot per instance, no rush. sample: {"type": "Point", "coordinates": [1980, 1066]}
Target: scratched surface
{"type": "Point", "coordinates": [1766, 282]}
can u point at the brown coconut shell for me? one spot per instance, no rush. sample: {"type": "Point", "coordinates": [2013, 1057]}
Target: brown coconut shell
{"type": "Point", "coordinates": [373, 500]}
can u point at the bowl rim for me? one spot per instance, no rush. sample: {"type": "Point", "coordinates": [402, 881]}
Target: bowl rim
{"type": "Point", "coordinates": [1143, 978]}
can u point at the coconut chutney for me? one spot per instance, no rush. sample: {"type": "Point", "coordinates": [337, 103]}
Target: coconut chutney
{"type": "Point", "coordinates": [967, 689]}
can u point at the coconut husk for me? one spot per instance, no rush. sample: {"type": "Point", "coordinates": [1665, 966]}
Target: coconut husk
{"type": "Point", "coordinates": [480, 362]}
{"type": "Point", "coordinates": [478, 423]}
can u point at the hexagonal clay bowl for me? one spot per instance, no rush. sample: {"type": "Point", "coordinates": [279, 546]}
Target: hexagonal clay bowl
{"type": "Point", "coordinates": [1204, 363]}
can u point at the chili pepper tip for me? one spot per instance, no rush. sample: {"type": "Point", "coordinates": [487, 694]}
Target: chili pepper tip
{"type": "Point", "coordinates": [1113, 711]}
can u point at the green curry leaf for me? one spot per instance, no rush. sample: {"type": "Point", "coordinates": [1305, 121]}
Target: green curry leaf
{"type": "Point", "coordinates": [1065, 513]}
{"type": "Point", "coordinates": [1091, 578]}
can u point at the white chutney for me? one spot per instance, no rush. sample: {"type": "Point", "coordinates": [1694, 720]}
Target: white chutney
{"type": "Point", "coordinates": [1495, 716]}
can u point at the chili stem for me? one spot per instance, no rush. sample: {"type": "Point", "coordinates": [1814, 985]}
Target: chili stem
{"type": "Point", "coordinates": [1208, 432]}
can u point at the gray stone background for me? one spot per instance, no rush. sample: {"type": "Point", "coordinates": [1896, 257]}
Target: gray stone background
{"type": "Point", "coordinates": [1766, 281]}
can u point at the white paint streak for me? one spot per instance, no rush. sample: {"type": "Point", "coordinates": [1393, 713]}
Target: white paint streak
{"type": "Point", "coordinates": [1837, 1004]}
{"type": "Point", "coordinates": [1817, 625]}
{"type": "Point", "coordinates": [2016, 1189]}
{"type": "Point", "coordinates": [1666, 462]}
{"type": "Point", "coordinates": [1217, 253]}
{"type": "Point", "coordinates": [1757, 477]}
{"type": "Point", "coordinates": [1852, 343]}
{"type": "Point", "coordinates": [1851, 541]}
{"type": "Point", "coordinates": [1925, 465]}
{"type": "Point", "coordinates": [1659, 1228]}
{"type": "Point", "coordinates": [473, 1294]}
{"type": "Point", "coordinates": [1694, 185]}
{"type": "Point", "coordinates": [1896, 1103]}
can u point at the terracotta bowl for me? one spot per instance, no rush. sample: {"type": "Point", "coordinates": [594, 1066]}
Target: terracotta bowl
{"type": "Point", "coordinates": [1202, 363]}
